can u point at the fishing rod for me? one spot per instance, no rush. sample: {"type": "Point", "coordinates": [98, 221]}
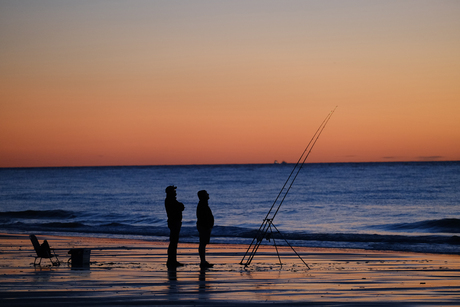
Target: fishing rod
{"type": "Point", "coordinates": [267, 223]}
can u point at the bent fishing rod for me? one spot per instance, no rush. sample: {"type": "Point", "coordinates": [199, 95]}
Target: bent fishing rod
{"type": "Point", "coordinates": [267, 223]}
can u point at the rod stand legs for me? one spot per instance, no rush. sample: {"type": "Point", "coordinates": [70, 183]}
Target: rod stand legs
{"type": "Point", "coordinates": [266, 232]}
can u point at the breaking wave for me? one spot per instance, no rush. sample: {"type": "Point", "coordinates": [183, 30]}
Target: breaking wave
{"type": "Point", "coordinates": [231, 234]}
{"type": "Point", "coordinates": [448, 225]}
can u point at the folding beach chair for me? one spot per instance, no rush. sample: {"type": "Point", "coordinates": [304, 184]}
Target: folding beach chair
{"type": "Point", "coordinates": [43, 251]}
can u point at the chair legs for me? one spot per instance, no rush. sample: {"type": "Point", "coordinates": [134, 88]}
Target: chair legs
{"type": "Point", "coordinates": [55, 262]}
{"type": "Point", "coordinates": [35, 261]}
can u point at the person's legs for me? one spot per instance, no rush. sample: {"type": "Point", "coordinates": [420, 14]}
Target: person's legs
{"type": "Point", "coordinates": [173, 242]}
{"type": "Point", "coordinates": [202, 252]}
{"type": "Point", "coordinates": [205, 235]}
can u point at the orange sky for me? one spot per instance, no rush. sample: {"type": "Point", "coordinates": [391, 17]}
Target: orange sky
{"type": "Point", "coordinates": [209, 82]}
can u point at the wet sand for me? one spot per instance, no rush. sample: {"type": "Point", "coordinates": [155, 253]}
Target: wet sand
{"type": "Point", "coordinates": [133, 272]}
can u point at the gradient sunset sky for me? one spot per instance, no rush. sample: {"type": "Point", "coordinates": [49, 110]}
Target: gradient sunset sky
{"type": "Point", "coordinates": [86, 83]}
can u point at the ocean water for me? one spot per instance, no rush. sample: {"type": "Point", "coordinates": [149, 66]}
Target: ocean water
{"type": "Point", "coordinates": [381, 206]}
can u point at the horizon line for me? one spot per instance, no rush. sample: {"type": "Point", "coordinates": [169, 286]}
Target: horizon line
{"type": "Point", "coordinates": [229, 164]}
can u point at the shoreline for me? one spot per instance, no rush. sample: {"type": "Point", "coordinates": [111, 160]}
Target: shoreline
{"type": "Point", "coordinates": [133, 272]}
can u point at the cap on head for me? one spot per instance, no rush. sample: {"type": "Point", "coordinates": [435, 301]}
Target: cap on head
{"type": "Point", "coordinates": [202, 194]}
{"type": "Point", "coordinates": [171, 189]}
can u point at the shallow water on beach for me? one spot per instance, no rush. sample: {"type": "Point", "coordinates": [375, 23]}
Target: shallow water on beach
{"type": "Point", "coordinates": [133, 272]}
{"type": "Point", "coordinates": [388, 206]}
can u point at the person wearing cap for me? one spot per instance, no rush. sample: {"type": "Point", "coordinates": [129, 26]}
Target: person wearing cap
{"type": "Point", "coordinates": [204, 224]}
{"type": "Point", "coordinates": [174, 210]}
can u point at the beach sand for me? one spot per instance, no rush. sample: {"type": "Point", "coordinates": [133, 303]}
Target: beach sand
{"type": "Point", "coordinates": [133, 272]}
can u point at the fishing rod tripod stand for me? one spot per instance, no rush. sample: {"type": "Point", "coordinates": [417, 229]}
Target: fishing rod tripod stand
{"type": "Point", "coordinates": [268, 235]}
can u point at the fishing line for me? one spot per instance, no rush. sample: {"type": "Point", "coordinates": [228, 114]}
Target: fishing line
{"type": "Point", "coordinates": [318, 133]}
{"type": "Point", "coordinates": [268, 222]}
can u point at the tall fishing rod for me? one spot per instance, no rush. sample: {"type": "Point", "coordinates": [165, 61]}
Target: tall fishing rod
{"type": "Point", "coordinates": [267, 223]}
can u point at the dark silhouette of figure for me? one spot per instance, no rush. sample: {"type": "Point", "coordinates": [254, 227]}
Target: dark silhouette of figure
{"type": "Point", "coordinates": [204, 224]}
{"type": "Point", "coordinates": [174, 211]}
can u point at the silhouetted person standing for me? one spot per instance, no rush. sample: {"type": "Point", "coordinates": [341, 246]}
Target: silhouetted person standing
{"type": "Point", "coordinates": [204, 224]}
{"type": "Point", "coordinates": [174, 211]}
